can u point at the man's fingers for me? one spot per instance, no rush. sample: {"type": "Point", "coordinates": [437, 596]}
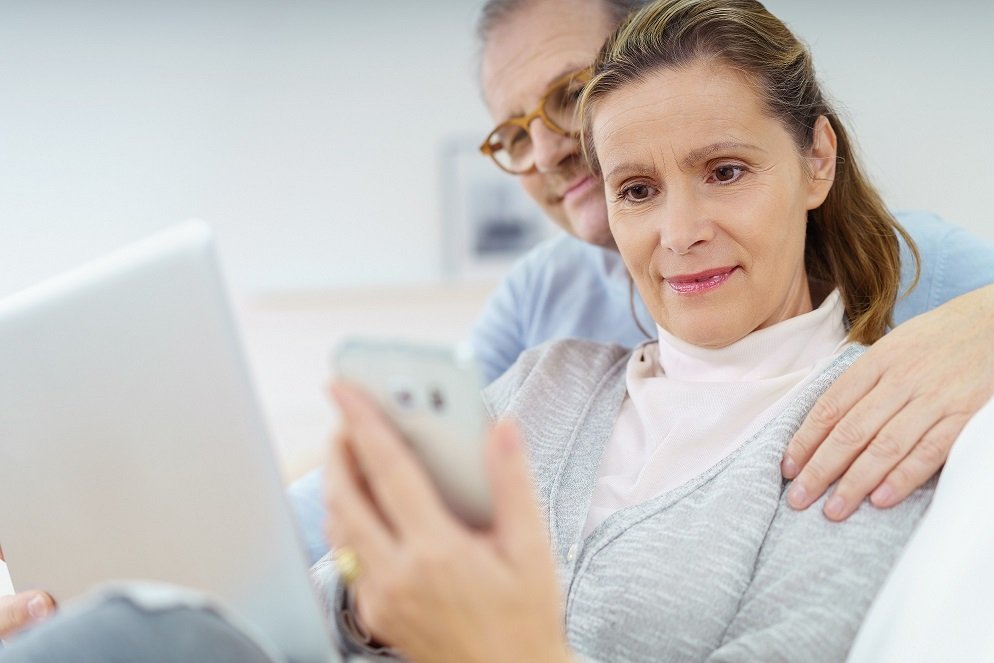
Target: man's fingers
{"type": "Point", "coordinates": [400, 485]}
{"type": "Point", "coordinates": [518, 524]}
{"type": "Point", "coordinates": [831, 407]}
{"type": "Point", "coordinates": [845, 443]}
{"type": "Point", "coordinates": [924, 460]}
{"type": "Point", "coordinates": [22, 609]}
{"type": "Point", "coordinates": [886, 451]}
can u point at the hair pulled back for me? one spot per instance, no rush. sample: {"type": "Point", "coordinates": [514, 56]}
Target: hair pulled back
{"type": "Point", "coordinates": [852, 239]}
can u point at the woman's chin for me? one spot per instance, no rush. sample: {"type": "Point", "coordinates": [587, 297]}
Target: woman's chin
{"type": "Point", "coordinates": [706, 333]}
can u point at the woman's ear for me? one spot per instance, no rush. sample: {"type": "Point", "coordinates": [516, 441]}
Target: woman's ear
{"type": "Point", "coordinates": [821, 157]}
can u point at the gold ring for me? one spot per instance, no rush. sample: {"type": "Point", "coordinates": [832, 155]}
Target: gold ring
{"type": "Point", "coordinates": [347, 562]}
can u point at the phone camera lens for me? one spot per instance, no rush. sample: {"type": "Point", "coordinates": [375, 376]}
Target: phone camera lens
{"type": "Point", "coordinates": [404, 398]}
{"type": "Point", "coordinates": [437, 400]}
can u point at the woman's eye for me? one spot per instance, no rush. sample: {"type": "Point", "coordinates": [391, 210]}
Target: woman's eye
{"type": "Point", "coordinates": [727, 173]}
{"type": "Point", "coordinates": [636, 193]}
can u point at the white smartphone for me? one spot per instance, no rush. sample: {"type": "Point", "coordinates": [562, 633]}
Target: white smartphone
{"type": "Point", "coordinates": [432, 395]}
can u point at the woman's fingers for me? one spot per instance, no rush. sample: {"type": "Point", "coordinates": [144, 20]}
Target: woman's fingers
{"type": "Point", "coordinates": [353, 519]}
{"type": "Point", "coordinates": [446, 590]}
{"type": "Point", "coordinates": [518, 525]}
{"type": "Point", "coordinates": [399, 484]}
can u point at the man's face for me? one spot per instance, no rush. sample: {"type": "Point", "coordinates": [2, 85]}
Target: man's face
{"type": "Point", "coordinates": [531, 49]}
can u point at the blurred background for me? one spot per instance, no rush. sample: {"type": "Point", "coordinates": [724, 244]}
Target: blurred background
{"type": "Point", "coordinates": [330, 144]}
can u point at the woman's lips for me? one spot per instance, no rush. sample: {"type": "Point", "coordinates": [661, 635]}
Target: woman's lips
{"type": "Point", "coordinates": [701, 282]}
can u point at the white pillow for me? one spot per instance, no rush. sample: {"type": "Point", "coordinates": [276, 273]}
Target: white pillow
{"type": "Point", "coordinates": [938, 602]}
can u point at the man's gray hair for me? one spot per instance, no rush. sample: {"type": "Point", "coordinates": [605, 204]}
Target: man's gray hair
{"type": "Point", "coordinates": [495, 12]}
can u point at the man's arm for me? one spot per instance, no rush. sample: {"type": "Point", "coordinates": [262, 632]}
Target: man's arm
{"type": "Point", "coordinates": [498, 333]}
{"type": "Point", "coordinates": [889, 422]}
{"type": "Point", "coordinates": [306, 497]}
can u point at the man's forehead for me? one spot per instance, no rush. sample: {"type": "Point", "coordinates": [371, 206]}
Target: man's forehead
{"type": "Point", "coordinates": [514, 90]}
{"type": "Point", "coordinates": [537, 46]}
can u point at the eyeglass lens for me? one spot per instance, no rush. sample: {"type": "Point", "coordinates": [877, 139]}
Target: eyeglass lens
{"type": "Point", "coordinates": [512, 144]}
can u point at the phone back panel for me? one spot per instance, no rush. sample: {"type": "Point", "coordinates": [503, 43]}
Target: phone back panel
{"type": "Point", "coordinates": [432, 394]}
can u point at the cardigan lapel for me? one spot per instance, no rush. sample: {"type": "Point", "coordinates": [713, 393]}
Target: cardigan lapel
{"type": "Point", "coordinates": [573, 486]}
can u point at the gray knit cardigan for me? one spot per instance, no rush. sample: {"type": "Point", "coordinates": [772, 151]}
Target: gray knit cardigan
{"type": "Point", "coordinates": [719, 569]}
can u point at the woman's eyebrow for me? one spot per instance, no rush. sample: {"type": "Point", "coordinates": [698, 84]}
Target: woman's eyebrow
{"type": "Point", "coordinates": [692, 158]}
{"type": "Point", "coordinates": [627, 168]}
{"type": "Point", "coordinates": [700, 154]}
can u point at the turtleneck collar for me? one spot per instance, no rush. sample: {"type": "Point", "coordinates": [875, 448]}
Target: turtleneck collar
{"type": "Point", "coordinates": [785, 347]}
{"type": "Point", "coordinates": [688, 407]}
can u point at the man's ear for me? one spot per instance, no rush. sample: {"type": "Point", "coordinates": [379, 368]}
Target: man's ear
{"type": "Point", "coordinates": [821, 157]}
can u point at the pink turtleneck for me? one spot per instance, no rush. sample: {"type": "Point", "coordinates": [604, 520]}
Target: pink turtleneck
{"type": "Point", "coordinates": [688, 407]}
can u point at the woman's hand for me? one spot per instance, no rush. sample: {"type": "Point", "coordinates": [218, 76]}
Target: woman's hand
{"type": "Point", "coordinates": [888, 423]}
{"type": "Point", "coordinates": [428, 585]}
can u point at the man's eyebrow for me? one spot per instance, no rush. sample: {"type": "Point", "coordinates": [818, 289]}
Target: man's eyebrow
{"type": "Point", "coordinates": [562, 73]}
{"type": "Point", "coordinates": [700, 154]}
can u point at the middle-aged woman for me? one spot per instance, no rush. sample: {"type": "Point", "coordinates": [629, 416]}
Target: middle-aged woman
{"type": "Point", "coordinates": [766, 260]}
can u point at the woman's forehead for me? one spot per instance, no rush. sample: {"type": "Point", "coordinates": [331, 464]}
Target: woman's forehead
{"type": "Point", "coordinates": [680, 108]}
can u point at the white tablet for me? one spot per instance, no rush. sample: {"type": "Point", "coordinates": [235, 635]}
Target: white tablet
{"type": "Point", "coordinates": [132, 447]}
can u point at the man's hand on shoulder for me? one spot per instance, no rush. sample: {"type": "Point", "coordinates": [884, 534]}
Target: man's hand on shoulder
{"type": "Point", "coordinates": [888, 423]}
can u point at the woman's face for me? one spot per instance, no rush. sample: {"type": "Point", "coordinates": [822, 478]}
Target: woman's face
{"type": "Point", "coordinates": [707, 201]}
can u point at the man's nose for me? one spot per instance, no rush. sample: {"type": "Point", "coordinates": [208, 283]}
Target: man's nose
{"type": "Point", "coordinates": [550, 148]}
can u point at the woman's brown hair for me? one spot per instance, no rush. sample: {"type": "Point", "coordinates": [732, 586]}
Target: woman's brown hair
{"type": "Point", "coordinates": [851, 238]}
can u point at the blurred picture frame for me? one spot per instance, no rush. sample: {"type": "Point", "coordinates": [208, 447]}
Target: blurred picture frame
{"type": "Point", "coordinates": [489, 220]}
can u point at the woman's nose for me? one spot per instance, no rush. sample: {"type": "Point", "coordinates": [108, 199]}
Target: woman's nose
{"type": "Point", "coordinates": [550, 148]}
{"type": "Point", "coordinates": [684, 224]}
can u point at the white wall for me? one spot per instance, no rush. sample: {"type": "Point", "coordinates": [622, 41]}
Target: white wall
{"type": "Point", "coordinates": [916, 80]}
{"type": "Point", "coordinates": [309, 132]}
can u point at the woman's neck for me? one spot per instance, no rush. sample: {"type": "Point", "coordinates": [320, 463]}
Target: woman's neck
{"type": "Point", "coordinates": [769, 352]}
